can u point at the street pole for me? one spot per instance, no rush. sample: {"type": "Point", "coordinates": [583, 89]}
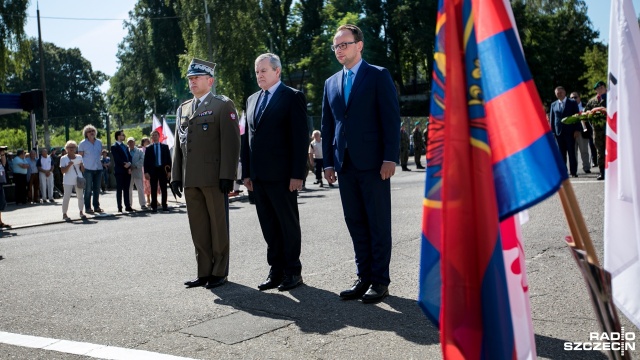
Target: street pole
{"type": "Point", "coordinates": [207, 20]}
{"type": "Point", "coordinates": [45, 115]}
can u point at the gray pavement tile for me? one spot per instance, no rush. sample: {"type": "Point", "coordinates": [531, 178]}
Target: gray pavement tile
{"type": "Point", "coordinates": [237, 327]}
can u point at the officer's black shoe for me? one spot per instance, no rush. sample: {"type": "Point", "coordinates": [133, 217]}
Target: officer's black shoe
{"type": "Point", "coordinates": [215, 281]}
{"type": "Point", "coordinates": [600, 177]}
{"type": "Point", "coordinates": [201, 281]}
{"type": "Point", "coordinates": [272, 282]}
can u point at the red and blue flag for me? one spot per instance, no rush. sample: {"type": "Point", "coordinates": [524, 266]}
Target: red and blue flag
{"type": "Point", "coordinates": [490, 155]}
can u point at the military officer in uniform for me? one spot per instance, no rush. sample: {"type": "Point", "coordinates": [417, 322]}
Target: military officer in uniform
{"type": "Point", "coordinates": [404, 149]}
{"type": "Point", "coordinates": [599, 130]}
{"type": "Point", "coordinates": [205, 162]}
{"type": "Point", "coordinates": [418, 146]}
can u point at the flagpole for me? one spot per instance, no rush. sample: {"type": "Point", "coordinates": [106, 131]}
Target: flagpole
{"type": "Point", "coordinates": [577, 226]}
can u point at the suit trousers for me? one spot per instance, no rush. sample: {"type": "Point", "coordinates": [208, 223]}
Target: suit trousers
{"type": "Point", "coordinates": [582, 144]}
{"type": "Point", "coordinates": [208, 211]}
{"type": "Point", "coordinates": [137, 181]}
{"type": "Point", "coordinates": [46, 185]}
{"type": "Point", "coordinates": [366, 202]}
{"type": "Point", "coordinates": [279, 218]}
{"type": "Point", "coordinates": [122, 190]}
{"type": "Point", "coordinates": [157, 176]}
{"type": "Point", "coordinates": [567, 145]}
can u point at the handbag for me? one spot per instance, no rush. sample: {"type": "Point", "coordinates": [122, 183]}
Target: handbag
{"type": "Point", "coordinates": [80, 181]}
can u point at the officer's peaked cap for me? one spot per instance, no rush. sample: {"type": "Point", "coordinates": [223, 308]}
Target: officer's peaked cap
{"type": "Point", "coordinates": [200, 67]}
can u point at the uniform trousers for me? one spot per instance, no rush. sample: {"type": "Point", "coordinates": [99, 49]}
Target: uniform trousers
{"type": "Point", "coordinates": [208, 212]}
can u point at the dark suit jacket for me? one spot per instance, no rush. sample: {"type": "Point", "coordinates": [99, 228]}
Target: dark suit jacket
{"type": "Point", "coordinates": [120, 157]}
{"type": "Point", "coordinates": [150, 157]}
{"type": "Point", "coordinates": [556, 114]}
{"type": "Point", "coordinates": [368, 125]}
{"type": "Point", "coordinates": [275, 147]}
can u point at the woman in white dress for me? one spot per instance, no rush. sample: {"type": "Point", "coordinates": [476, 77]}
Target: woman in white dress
{"type": "Point", "coordinates": [72, 168]}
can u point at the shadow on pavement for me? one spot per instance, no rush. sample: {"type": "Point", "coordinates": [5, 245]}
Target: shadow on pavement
{"type": "Point", "coordinates": [553, 348]}
{"type": "Point", "coordinates": [320, 311]}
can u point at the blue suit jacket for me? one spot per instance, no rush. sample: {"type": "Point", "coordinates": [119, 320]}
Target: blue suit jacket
{"type": "Point", "coordinates": [120, 157]}
{"type": "Point", "coordinates": [556, 114]}
{"type": "Point", "coordinates": [368, 125]}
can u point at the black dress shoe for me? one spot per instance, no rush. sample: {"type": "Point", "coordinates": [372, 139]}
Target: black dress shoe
{"type": "Point", "coordinates": [356, 291]}
{"type": "Point", "coordinates": [420, 167]}
{"type": "Point", "coordinates": [587, 171]}
{"type": "Point", "coordinates": [215, 281]}
{"type": "Point", "coordinates": [600, 177]}
{"type": "Point", "coordinates": [201, 281]}
{"type": "Point", "coordinates": [272, 282]}
{"type": "Point", "coordinates": [165, 208]}
{"type": "Point", "coordinates": [154, 210]}
{"type": "Point", "coordinates": [375, 294]}
{"type": "Point", "coordinates": [130, 209]}
{"type": "Point", "coordinates": [290, 282]}
{"type": "Point", "coordinates": [574, 175]}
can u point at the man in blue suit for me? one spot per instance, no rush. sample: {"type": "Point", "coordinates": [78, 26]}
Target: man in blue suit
{"type": "Point", "coordinates": [122, 170]}
{"type": "Point", "coordinates": [565, 134]}
{"type": "Point", "coordinates": [360, 125]}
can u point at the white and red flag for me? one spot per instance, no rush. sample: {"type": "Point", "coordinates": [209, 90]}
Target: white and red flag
{"type": "Point", "coordinates": [622, 183]}
{"type": "Point", "coordinates": [166, 136]}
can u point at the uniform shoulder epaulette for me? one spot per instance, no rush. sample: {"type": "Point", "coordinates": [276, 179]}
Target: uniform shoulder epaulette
{"type": "Point", "coordinates": [188, 101]}
{"type": "Point", "coordinates": [221, 98]}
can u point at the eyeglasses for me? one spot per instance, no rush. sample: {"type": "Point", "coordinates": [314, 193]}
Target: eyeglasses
{"type": "Point", "coordinates": [341, 46]}
{"type": "Point", "coordinates": [574, 97]}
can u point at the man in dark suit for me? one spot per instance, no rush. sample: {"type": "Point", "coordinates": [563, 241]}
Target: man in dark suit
{"type": "Point", "coordinates": [360, 125]}
{"type": "Point", "coordinates": [274, 163]}
{"type": "Point", "coordinates": [565, 134]}
{"type": "Point", "coordinates": [157, 164]}
{"type": "Point", "coordinates": [122, 170]}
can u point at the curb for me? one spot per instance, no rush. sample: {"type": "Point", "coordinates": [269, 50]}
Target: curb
{"type": "Point", "coordinates": [106, 215]}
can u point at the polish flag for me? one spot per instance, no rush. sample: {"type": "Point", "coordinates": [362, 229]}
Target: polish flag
{"type": "Point", "coordinates": [166, 136]}
{"type": "Point", "coordinates": [622, 183]}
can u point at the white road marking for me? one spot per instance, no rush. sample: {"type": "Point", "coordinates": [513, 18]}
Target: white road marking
{"type": "Point", "coordinates": [82, 348]}
{"type": "Point", "coordinates": [586, 182]}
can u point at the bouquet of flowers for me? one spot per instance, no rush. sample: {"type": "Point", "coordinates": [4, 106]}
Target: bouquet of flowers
{"type": "Point", "coordinates": [597, 116]}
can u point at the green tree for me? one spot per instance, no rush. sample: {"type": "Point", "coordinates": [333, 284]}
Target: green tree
{"type": "Point", "coordinates": [236, 39]}
{"type": "Point", "coordinates": [595, 60]}
{"type": "Point", "coordinates": [149, 78]}
{"type": "Point", "coordinates": [554, 37]}
{"type": "Point", "coordinates": [14, 46]}
{"type": "Point", "coordinates": [73, 88]}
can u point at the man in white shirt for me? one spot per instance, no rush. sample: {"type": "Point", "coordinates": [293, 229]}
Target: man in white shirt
{"type": "Point", "coordinates": [45, 170]}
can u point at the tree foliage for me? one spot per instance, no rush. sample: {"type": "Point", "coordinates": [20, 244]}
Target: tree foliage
{"type": "Point", "coordinates": [595, 60]}
{"type": "Point", "coordinates": [73, 91]}
{"type": "Point", "coordinates": [149, 78]}
{"type": "Point", "coordinates": [14, 47]}
{"type": "Point", "coordinates": [554, 37]}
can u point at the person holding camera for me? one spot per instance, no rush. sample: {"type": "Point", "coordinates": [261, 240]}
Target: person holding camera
{"type": "Point", "coordinates": [72, 168]}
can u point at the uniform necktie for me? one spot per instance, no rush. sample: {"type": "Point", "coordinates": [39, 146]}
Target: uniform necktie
{"type": "Point", "coordinates": [263, 104]}
{"type": "Point", "coordinates": [347, 85]}
{"type": "Point", "coordinates": [157, 151]}
{"type": "Point", "coordinates": [198, 103]}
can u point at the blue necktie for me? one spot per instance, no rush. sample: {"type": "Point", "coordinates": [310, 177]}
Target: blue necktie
{"type": "Point", "coordinates": [347, 85]}
{"type": "Point", "coordinates": [263, 105]}
{"type": "Point", "coordinates": [157, 151]}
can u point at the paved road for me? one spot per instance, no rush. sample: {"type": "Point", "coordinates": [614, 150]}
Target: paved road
{"type": "Point", "coordinates": [117, 282]}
